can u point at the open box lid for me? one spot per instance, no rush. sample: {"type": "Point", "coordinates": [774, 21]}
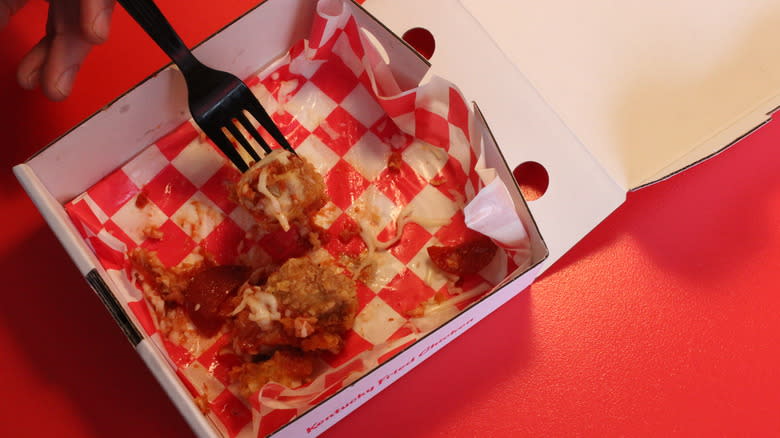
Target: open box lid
{"type": "Point", "coordinates": [644, 88]}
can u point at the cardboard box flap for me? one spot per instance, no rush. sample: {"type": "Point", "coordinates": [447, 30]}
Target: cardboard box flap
{"type": "Point", "coordinates": [580, 193]}
{"type": "Point", "coordinates": [496, 160]}
{"type": "Point", "coordinates": [648, 87]}
{"type": "Point", "coordinates": [721, 141]}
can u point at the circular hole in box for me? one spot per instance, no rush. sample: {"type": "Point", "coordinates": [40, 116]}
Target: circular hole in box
{"type": "Point", "coordinates": [422, 40]}
{"type": "Point", "coordinates": [532, 178]}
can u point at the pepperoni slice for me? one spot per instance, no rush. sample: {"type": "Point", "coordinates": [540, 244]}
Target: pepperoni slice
{"type": "Point", "coordinates": [467, 258]}
{"type": "Point", "coordinates": [207, 294]}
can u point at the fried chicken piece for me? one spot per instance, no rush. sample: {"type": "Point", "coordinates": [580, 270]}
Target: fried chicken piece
{"type": "Point", "coordinates": [305, 304]}
{"type": "Point", "coordinates": [251, 337]}
{"type": "Point", "coordinates": [282, 189]}
{"type": "Point", "coordinates": [287, 367]}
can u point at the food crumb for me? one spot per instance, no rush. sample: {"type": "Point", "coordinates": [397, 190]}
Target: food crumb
{"type": "Point", "coordinates": [202, 402]}
{"type": "Point", "coordinates": [141, 200]}
{"type": "Point", "coordinates": [437, 180]}
{"type": "Point", "coordinates": [417, 311]}
{"type": "Point", "coordinates": [349, 232]}
{"type": "Point", "coordinates": [152, 232]}
{"type": "Point", "coordinates": [394, 162]}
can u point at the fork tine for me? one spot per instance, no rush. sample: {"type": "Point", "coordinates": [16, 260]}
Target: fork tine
{"type": "Point", "coordinates": [226, 146]}
{"type": "Point", "coordinates": [236, 133]}
{"type": "Point", "coordinates": [259, 113]}
{"type": "Point", "coordinates": [251, 129]}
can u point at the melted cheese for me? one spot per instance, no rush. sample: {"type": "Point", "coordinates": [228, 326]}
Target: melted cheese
{"type": "Point", "coordinates": [271, 204]}
{"type": "Point", "coordinates": [406, 216]}
{"type": "Point", "coordinates": [370, 234]}
{"type": "Point", "coordinates": [263, 307]}
{"type": "Point", "coordinates": [286, 88]}
{"type": "Point", "coordinates": [332, 133]}
{"type": "Point", "coordinates": [279, 204]}
{"type": "Point", "coordinates": [303, 328]}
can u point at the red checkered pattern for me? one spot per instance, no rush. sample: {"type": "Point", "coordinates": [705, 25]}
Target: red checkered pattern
{"type": "Point", "coordinates": [337, 112]}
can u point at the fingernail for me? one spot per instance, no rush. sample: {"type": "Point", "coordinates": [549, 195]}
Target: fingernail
{"type": "Point", "coordinates": [65, 81]}
{"type": "Point", "coordinates": [33, 78]}
{"type": "Point", "coordinates": [102, 24]}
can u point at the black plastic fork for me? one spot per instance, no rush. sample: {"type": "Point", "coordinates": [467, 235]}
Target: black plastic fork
{"type": "Point", "coordinates": [217, 99]}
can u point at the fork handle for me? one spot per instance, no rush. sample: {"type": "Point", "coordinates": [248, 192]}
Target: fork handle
{"type": "Point", "coordinates": [152, 20]}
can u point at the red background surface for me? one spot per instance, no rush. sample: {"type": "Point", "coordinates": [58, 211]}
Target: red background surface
{"type": "Point", "coordinates": [663, 320]}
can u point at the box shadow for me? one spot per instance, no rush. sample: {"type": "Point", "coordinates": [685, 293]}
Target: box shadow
{"type": "Point", "coordinates": [711, 218]}
{"type": "Point", "coordinates": [70, 343]}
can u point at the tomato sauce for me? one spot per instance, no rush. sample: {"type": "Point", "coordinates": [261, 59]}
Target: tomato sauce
{"type": "Point", "coordinates": [467, 258]}
{"type": "Point", "coordinates": [207, 298]}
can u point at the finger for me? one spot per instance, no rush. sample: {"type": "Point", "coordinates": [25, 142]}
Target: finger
{"type": "Point", "coordinates": [66, 53]}
{"type": "Point", "coordinates": [8, 8]}
{"type": "Point", "coordinates": [29, 73]}
{"type": "Point", "coordinates": [96, 19]}
{"type": "Point", "coordinates": [67, 49]}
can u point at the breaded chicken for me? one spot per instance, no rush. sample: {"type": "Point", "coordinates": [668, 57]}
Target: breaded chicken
{"type": "Point", "coordinates": [290, 368]}
{"type": "Point", "coordinates": [306, 304]}
{"type": "Point", "coordinates": [168, 283]}
{"type": "Point", "coordinates": [282, 189]}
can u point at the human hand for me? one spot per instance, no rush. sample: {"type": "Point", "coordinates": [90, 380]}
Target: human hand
{"type": "Point", "coordinates": [72, 28]}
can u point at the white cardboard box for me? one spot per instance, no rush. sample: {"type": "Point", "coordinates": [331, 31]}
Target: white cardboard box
{"type": "Point", "coordinates": [608, 96]}
{"type": "Point", "coordinates": [76, 161]}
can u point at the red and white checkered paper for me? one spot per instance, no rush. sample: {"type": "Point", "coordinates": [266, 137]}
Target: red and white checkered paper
{"type": "Point", "coordinates": [339, 106]}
